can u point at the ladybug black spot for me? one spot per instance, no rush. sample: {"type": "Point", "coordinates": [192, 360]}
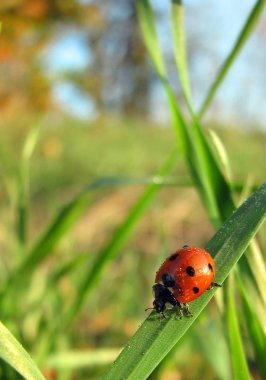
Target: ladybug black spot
{"type": "Point", "coordinates": [210, 267]}
{"type": "Point", "coordinates": [168, 280]}
{"type": "Point", "coordinates": [190, 271]}
{"type": "Point", "coordinates": [195, 290]}
{"type": "Point", "coordinates": [173, 257]}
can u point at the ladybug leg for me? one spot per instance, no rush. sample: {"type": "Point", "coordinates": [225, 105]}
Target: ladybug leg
{"type": "Point", "coordinates": [179, 309]}
{"type": "Point", "coordinates": [163, 315]}
{"type": "Point", "coordinates": [213, 285]}
{"type": "Point", "coordinates": [179, 312]}
{"type": "Point", "coordinates": [186, 310]}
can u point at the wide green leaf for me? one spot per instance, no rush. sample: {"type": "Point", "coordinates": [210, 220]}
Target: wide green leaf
{"type": "Point", "coordinates": [156, 337]}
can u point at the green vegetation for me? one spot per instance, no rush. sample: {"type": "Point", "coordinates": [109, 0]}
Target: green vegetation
{"type": "Point", "coordinates": [90, 211]}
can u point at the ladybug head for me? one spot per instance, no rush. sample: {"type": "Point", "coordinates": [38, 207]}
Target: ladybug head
{"type": "Point", "coordinates": [162, 295]}
{"type": "Point", "coordinates": [159, 297]}
{"type": "Point", "coordinates": [159, 305]}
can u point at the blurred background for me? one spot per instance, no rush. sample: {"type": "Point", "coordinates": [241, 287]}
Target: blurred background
{"type": "Point", "coordinates": [78, 72]}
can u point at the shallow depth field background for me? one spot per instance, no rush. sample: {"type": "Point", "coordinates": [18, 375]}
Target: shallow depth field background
{"type": "Point", "coordinates": [77, 73]}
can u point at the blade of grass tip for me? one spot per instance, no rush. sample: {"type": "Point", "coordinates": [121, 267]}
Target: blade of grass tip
{"type": "Point", "coordinates": [238, 358]}
{"type": "Point", "coordinates": [14, 354]}
{"type": "Point", "coordinates": [178, 32]}
{"type": "Point", "coordinates": [156, 337]}
{"type": "Point", "coordinates": [113, 247]}
{"type": "Point", "coordinates": [222, 154]}
{"type": "Point", "coordinates": [242, 38]}
{"type": "Point", "coordinates": [254, 327]}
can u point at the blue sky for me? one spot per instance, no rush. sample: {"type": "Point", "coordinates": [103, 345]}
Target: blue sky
{"type": "Point", "coordinates": [212, 27]}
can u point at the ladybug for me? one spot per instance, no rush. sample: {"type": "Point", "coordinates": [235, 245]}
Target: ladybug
{"type": "Point", "coordinates": [183, 277]}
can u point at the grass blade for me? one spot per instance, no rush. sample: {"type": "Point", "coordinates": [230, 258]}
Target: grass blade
{"type": "Point", "coordinates": [155, 338]}
{"type": "Point", "coordinates": [148, 26]}
{"type": "Point", "coordinates": [242, 38]}
{"type": "Point", "coordinates": [206, 174]}
{"type": "Point", "coordinates": [178, 32]}
{"type": "Point", "coordinates": [61, 224]}
{"type": "Point", "coordinates": [24, 186]}
{"type": "Point", "coordinates": [119, 237]}
{"type": "Point", "coordinates": [254, 327]}
{"type": "Point", "coordinates": [65, 219]}
{"type": "Point", "coordinates": [257, 265]}
{"type": "Point", "coordinates": [207, 336]}
{"type": "Point", "coordinates": [14, 354]}
{"type": "Point", "coordinates": [238, 358]}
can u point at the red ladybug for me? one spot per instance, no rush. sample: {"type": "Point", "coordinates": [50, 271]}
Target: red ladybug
{"type": "Point", "coordinates": [184, 276]}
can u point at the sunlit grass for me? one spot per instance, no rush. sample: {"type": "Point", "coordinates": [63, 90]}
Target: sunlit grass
{"type": "Point", "coordinates": [90, 211]}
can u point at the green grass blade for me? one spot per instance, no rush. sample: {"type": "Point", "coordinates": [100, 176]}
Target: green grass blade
{"type": "Point", "coordinates": [148, 26]}
{"type": "Point", "coordinates": [257, 265]}
{"type": "Point", "coordinates": [60, 225]}
{"type": "Point", "coordinates": [222, 156]}
{"type": "Point", "coordinates": [156, 337]}
{"type": "Point", "coordinates": [206, 174]}
{"type": "Point", "coordinates": [66, 218]}
{"type": "Point", "coordinates": [207, 336]}
{"type": "Point", "coordinates": [118, 239]}
{"type": "Point", "coordinates": [23, 186]}
{"type": "Point", "coordinates": [178, 32]}
{"type": "Point", "coordinates": [238, 358]}
{"type": "Point", "coordinates": [242, 38]}
{"type": "Point", "coordinates": [254, 327]}
{"type": "Point", "coordinates": [52, 280]}
{"type": "Point", "coordinates": [14, 354]}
